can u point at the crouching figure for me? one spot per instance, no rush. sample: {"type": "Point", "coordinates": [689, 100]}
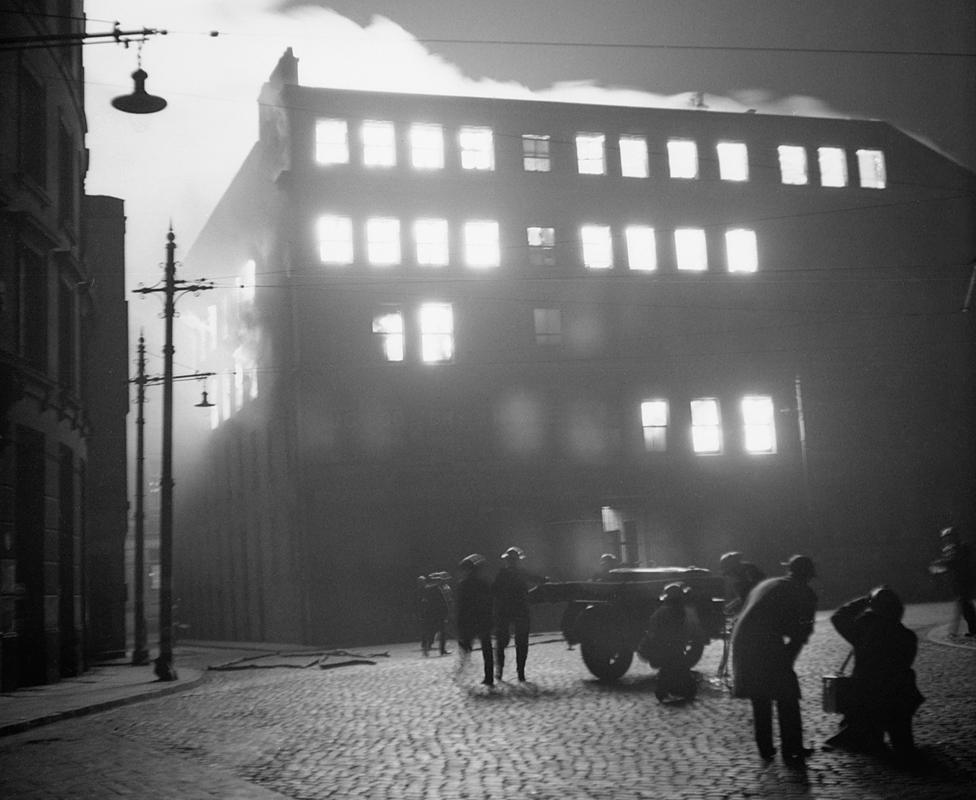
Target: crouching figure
{"type": "Point", "coordinates": [673, 644]}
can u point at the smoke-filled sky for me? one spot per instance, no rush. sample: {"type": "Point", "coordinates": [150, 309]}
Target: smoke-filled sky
{"type": "Point", "coordinates": [910, 62]}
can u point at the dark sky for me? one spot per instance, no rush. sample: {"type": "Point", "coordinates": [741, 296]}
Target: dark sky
{"type": "Point", "coordinates": [724, 47]}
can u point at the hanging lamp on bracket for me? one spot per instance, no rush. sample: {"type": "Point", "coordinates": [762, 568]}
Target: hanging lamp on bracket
{"type": "Point", "coordinates": [140, 101]}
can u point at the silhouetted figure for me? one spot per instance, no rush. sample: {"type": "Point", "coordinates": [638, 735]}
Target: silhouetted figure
{"type": "Point", "coordinates": [436, 600]}
{"type": "Point", "coordinates": [957, 563]}
{"type": "Point", "coordinates": [608, 561]}
{"type": "Point", "coordinates": [742, 576]}
{"type": "Point", "coordinates": [474, 613]}
{"type": "Point", "coordinates": [511, 594]}
{"type": "Point", "coordinates": [884, 695]}
{"type": "Point", "coordinates": [673, 644]}
{"type": "Point", "coordinates": [772, 628]}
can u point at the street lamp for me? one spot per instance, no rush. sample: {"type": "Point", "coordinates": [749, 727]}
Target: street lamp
{"type": "Point", "coordinates": [165, 669]}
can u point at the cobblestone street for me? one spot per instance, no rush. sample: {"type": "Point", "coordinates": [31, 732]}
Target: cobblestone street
{"type": "Point", "coordinates": [404, 729]}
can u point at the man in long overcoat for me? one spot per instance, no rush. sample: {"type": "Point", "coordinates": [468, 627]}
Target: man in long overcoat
{"type": "Point", "coordinates": [772, 628]}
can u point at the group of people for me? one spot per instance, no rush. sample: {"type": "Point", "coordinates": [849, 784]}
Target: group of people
{"type": "Point", "coordinates": [489, 611]}
{"type": "Point", "coordinates": [773, 621]}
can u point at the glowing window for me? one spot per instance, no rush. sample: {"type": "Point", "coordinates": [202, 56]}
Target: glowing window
{"type": "Point", "coordinates": [436, 332]}
{"type": "Point", "coordinates": [793, 164]}
{"type": "Point", "coordinates": [690, 250]}
{"type": "Point", "coordinates": [706, 426]}
{"type": "Point", "coordinates": [597, 246]}
{"type": "Point", "coordinates": [431, 238]}
{"type": "Point", "coordinates": [331, 141]}
{"type": "Point", "coordinates": [733, 161]}
{"type": "Point", "coordinates": [542, 243]}
{"type": "Point", "coordinates": [335, 240]}
{"type": "Point", "coordinates": [741, 253]}
{"type": "Point", "coordinates": [548, 326]}
{"type": "Point", "coordinates": [633, 157]}
{"type": "Point", "coordinates": [833, 166]}
{"type": "Point", "coordinates": [248, 281]}
{"type": "Point", "coordinates": [535, 153]}
{"type": "Point", "coordinates": [641, 247]}
{"type": "Point", "coordinates": [427, 146]}
{"type": "Point", "coordinates": [871, 165]}
{"type": "Point", "coordinates": [758, 424]}
{"type": "Point", "coordinates": [682, 158]}
{"type": "Point", "coordinates": [383, 241]}
{"type": "Point", "coordinates": [654, 420]}
{"type": "Point", "coordinates": [388, 327]}
{"type": "Point", "coordinates": [379, 144]}
{"type": "Point", "coordinates": [477, 148]}
{"type": "Point", "coordinates": [481, 243]}
{"type": "Point", "coordinates": [590, 155]}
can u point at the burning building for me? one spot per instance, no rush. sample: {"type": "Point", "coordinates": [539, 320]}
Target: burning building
{"type": "Point", "coordinates": [465, 323]}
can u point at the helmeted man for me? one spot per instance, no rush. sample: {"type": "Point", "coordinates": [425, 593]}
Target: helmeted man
{"type": "Point", "coordinates": [957, 563]}
{"type": "Point", "coordinates": [673, 643]}
{"type": "Point", "coordinates": [884, 696]}
{"type": "Point", "coordinates": [474, 613]}
{"type": "Point", "coordinates": [742, 577]}
{"type": "Point", "coordinates": [772, 628]}
{"type": "Point", "coordinates": [511, 594]}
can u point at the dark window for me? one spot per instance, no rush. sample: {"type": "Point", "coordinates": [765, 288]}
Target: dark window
{"type": "Point", "coordinates": [34, 309]}
{"type": "Point", "coordinates": [67, 178]}
{"type": "Point", "coordinates": [33, 139]}
{"type": "Point", "coordinates": [67, 363]}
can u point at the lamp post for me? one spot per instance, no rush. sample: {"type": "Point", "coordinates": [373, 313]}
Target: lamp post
{"type": "Point", "coordinates": [140, 653]}
{"type": "Point", "coordinates": [164, 668]}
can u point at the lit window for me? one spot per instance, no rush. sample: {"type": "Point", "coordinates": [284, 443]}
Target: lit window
{"type": "Point", "coordinates": [758, 424]}
{"type": "Point", "coordinates": [706, 426]}
{"type": "Point", "coordinates": [335, 240]}
{"type": "Point", "coordinates": [331, 141]}
{"type": "Point", "coordinates": [590, 157]}
{"type": "Point", "coordinates": [388, 328]}
{"type": "Point", "coordinates": [682, 158]}
{"type": "Point", "coordinates": [793, 164]}
{"type": "Point", "coordinates": [383, 241]}
{"type": "Point", "coordinates": [733, 161]}
{"type": "Point", "coordinates": [654, 420]}
{"type": "Point", "coordinates": [477, 148]}
{"type": "Point", "coordinates": [740, 250]}
{"type": "Point", "coordinates": [542, 242]}
{"type": "Point", "coordinates": [535, 153]}
{"type": "Point", "coordinates": [248, 281]}
{"type": "Point", "coordinates": [871, 165]}
{"type": "Point", "coordinates": [633, 157]}
{"type": "Point", "coordinates": [431, 238]}
{"type": "Point", "coordinates": [641, 247]}
{"type": "Point", "coordinates": [833, 166]}
{"type": "Point", "coordinates": [427, 146]}
{"type": "Point", "coordinates": [481, 243]}
{"type": "Point", "coordinates": [690, 251]}
{"type": "Point", "coordinates": [379, 144]}
{"type": "Point", "coordinates": [597, 246]}
{"type": "Point", "coordinates": [548, 326]}
{"type": "Point", "coordinates": [436, 332]}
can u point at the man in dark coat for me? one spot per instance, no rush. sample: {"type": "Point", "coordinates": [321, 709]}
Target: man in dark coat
{"type": "Point", "coordinates": [474, 607]}
{"type": "Point", "coordinates": [436, 599]}
{"type": "Point", "coordinates": [772, 628]}
{"type": "Point", "coordinates": [957, 563]}
{"type": "Point", "coordinates": [884, 695]}
{"type": "Point", "coordinates": [511, 593]}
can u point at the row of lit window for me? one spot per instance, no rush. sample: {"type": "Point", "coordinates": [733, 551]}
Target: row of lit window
{"type": "Point", "coordinates": [476, 151]}
{"type": "Point", "coordinates": [482, 247]}
{"type": "Point", "coordinates": [757, 418]}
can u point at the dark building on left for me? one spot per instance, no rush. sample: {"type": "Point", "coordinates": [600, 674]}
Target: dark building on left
{"type": "Point", "coordinates": [63, 365]}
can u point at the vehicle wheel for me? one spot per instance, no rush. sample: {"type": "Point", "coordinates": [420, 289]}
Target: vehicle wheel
{"type": "Point", "coordinates": [606, 662]}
